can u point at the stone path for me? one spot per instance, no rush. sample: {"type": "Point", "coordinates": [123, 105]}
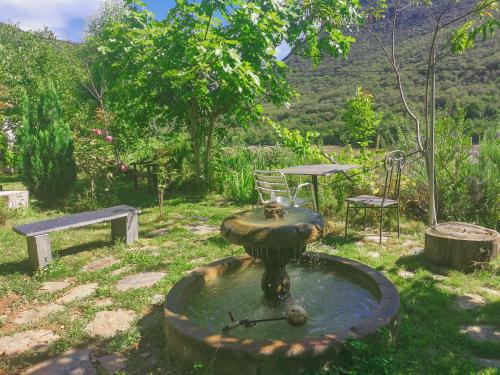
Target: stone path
{"type": "Point", "coordinates": [78, 293]}
{"type": "Point", "coordinates": [373, 254]}
{"type": "Point", "coordinates": [202, 229]}
{"type": "Point", "coordinates": [139, 280]}
{"type": "Point", "coordinates": [37, 313]}
{"type": "Point", "coordinates": [18, 343]}
{"type": "Point", "coordinates": [406, 274]}
{"type": "Point", "coordinates": [491, 291]}
{"type": "Point", "coordinates": [103, 302]}
{"type": "Point", "coordinates": [54, 286]}
{"type": "Point", "coordinates": [481, 333]}
{"type": "Point", "coordinates": [109, 364]}
{"type": "Point", "coordinates": [101, 264]}
{"type": "Point", "coordinates": [375, 238]}
{"type": "Point", "coordinates": [119, 271]}
{"type": "Point", "coordinates": [469, 301]}
{"type": "Point", "coordinates": [72, 362]}
{"type": "Point", "coordinates": [416, 250]}
{"type": "Point", "coordinates": [486, 362]}
{"type": "Point", "coordinates": [109, 323]}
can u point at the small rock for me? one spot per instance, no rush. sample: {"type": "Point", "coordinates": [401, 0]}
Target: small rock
{"type": "Point", "coordinates": [18, 343]}
{"type": "Point", "coordinates": [469, 301]}
{"type": "Point", "coordinates": [101, 264]}
{"type": "Point", "coordinates": [146, 354]}
{"type": "Point", "coordinates": [481, 333]}
{"type": "Point", "coordinates": [200, 218]}
{"type": "Point", "coordinates": [140, 280]}
{"type": "Point", "coordinates": [109, 323]}
{"type": "Point", "coordinates": [53, 286]}
{"type": "Point", "coordinates": [119, 271]}
{"type": "Point", "coordinates": [439, 277]}
{"type": "Point", "coordinates": [104, 302]}
{"type": "Point", "coordinates": [157, 299]}
{"type": "Point", "coordinates": [487, 362]}
{"type": "Point", "coordinates": [77, 293]}
{"type": "Point", "coordinates": [373, 254]}
{"type": "Point", "coordinates": [202, 229]}
{"type": "Point", "coordinates": [72, 362]}
{"type": "Point", "coordinates": [109, 364]}
{"type": "Point", "coordinates": [159, 232]}
{"type": "Point", "coordinates": [374, 238]}
{"type": "Point", "coordinates": [37, 313]}
{"type": "Point", "coordinates": [406, 274]}
{"type": "Point", "coordinates": [493, 292]}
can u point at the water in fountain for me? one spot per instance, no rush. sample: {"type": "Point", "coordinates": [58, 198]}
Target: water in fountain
{"type": "Point", "coordinates": [333, 302]}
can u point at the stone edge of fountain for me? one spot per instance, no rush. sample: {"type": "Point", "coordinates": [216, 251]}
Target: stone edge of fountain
{"type": "Point", "coordinates": [190, 341]}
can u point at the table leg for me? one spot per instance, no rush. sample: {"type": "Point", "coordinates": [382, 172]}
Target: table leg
{"type": "Point", "coordinates": [315, 188]}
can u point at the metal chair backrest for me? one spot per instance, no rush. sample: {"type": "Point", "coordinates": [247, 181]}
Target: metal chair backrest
{"type": "Point", "coordinates": [393, 163]}
{"type": "Point", "coordinates": [271, 185]}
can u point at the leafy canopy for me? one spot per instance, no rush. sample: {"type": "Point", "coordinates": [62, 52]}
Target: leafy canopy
{"type": "Point", "coordinates": [211, 64]}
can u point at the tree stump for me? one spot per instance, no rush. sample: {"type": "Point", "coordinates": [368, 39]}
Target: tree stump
{"type": "Point", "coordinates": [460, 245]}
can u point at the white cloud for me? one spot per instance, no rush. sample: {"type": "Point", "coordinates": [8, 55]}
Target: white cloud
{"type": "Point", "coordinates": [60, 16]}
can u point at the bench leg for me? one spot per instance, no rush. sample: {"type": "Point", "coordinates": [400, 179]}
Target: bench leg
{"type": "Point", "coordinates": [39, 250]}
{"type": "Point", "coordinates": [125, 228]}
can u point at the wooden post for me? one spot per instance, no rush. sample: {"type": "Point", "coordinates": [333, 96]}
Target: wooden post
{"type": "Point", "coordinates": [125, 228]}
{"type": "Point", "coordinates": [39, 250]}
{"type": "Point", "coordinates": [432, 177]}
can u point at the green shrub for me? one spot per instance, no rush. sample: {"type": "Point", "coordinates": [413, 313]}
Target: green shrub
{"type": "Point", "coordinates": [49, 169]}
{"type": "Point", "coordinates": [487, 186]}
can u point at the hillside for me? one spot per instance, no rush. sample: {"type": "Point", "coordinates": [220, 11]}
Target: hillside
{"type": "Point", "coordinates": [472, 79]}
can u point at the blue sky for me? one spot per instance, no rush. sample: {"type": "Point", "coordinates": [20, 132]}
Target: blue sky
{"type": "Point", "coordinates": [65, 17]}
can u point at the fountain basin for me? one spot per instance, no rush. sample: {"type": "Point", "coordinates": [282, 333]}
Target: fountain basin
{"type": "Point", "coordinates": [228, 354]}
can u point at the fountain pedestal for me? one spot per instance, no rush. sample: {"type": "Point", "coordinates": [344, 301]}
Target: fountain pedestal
{"type": "Point", "coordinates": [274, 235]}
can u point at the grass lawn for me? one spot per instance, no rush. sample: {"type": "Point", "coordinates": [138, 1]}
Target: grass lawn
{"type": "Point", "coordinates": [427, 341]}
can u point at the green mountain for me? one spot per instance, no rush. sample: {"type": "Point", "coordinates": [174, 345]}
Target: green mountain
{"type": "Point", "coordinates": [472, 80]}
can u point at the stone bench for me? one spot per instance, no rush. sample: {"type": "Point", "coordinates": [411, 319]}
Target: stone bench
{"type": "Point", "coordinates": [124, 226]}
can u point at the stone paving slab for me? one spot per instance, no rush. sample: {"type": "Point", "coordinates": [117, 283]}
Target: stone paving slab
{"type": "Point", "coordinates": [37, 340]}
{"type": "Point", "coordinates": [481, 333]}
{"type": "Point", "coordinates": [101, 264]}
{"type": "Point", "coordinates": [406, 274]}
{"type": "Point", "coordinates": [202, 229]}
{"type": "Point", "coordinates": [78, 293]}
{"type": "Point", "coordinates": [373, 254]}
{"type": "Point", "coordinates": [54, 286]}
{"type": "Point", "coordinates": [37, 313]}
{"type": "Point", "coordinates": [72, 362]}
{"type": "Point", "coordinates": [487, 362]}
{"type": "Point", "coordinates": [103, 302]}
{"type": "Point", "coordinates": [491, 291]}
{"type": "Point", "coordinates": [109, 364]}
{"type": "Point", "coordinates": [469, 301]}
{"type": "Point", "coordinates": [139, 280]}
{"type": "Point", "coordinates": [374, 238]}
{"type": "Point", "coordinates": [416, 250]}
{"type": "Point", "coordinates": [119, 271]}
{"type": "Point", "coordinates": [109, 323]}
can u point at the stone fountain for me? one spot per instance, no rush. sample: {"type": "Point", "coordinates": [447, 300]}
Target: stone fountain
{"type": "Point", "coordinates": [343, 299]}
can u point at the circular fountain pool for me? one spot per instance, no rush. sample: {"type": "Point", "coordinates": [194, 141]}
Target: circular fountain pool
{"type": "Point", "coordinates": [343, 299]}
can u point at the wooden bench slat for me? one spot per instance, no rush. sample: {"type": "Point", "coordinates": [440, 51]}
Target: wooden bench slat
{"type": "Point", "coordinates": [74, 221]}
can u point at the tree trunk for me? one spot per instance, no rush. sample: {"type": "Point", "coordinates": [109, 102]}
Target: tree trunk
{"type": "Point", "coordinates": [460, 245]}
{"type": "Point", "coordinates": [208, 150]}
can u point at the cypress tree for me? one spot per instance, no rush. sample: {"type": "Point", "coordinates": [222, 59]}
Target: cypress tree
{"type": "Point", "coordinates": [49, 169]}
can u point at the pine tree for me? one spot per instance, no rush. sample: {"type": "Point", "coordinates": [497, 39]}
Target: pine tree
{"type": "Point", "coordinates": [49, 168]}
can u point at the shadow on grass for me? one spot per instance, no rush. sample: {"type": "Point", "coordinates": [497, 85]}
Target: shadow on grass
{"type": "Point", "coordinates": [414, 262]}
{"type": "Point", "coordinates": [25, 267]}
{"type": "Point", "coordinates": [336, 240]}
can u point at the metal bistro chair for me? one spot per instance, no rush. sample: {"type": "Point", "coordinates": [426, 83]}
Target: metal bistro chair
{"type": "Point", "coordinates": [273, 187]}
{"type": "Point", "coordinates": [393, 164]}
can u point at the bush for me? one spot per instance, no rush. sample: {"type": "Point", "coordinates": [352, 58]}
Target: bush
{"type": "Point", "coordinates": [49, 169]}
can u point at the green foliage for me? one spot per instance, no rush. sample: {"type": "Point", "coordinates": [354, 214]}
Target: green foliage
{"type": "Point", "coordinates": [49, 169]}
{"type": "Point", "coordinates": [209, 65]}
{"type": "Point", "coordinates": [361, 121]}
{"type": "Point", "coordinates": [488, 180]}
{"type": "Point", "coordinates": [298, 144]}
{"type": "Point", "coordinates": [453, 166]}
